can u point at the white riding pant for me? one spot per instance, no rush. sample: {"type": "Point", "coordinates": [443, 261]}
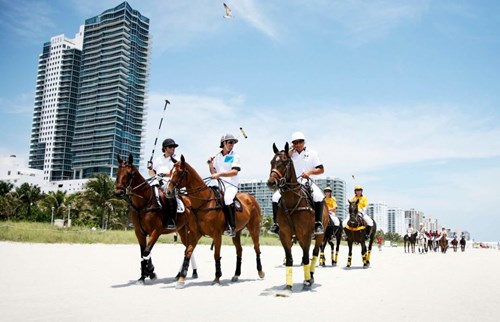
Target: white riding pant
{"type": "Point", "coordinates": [317, 194]}
{"type": "Point", "coordinates": [367, 218]}
{"type": "Point", "coordinates": [229, 194]}
{"type": "Point", "coordinates": [334, 218]}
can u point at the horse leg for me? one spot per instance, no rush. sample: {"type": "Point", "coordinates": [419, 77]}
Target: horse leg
{"type": "Point", "coordinates": [308, 281]}
{"type": "Point", "coordinates": [349, 255]}
{"type": "Point", "coordinates": [142, 244]}
{"type": "Point", "coordinates": [239, 253]}
{"type": "Point", "coordinates": [318, 242]}
{"type": "Point", "coordinates": [369, 251]}
{"type": "Point", "coordinates": [254, 233]}
{"type": "Point", "coordinates": [332, 246]}
{"type": "Point", "coordinates": [322, 253]}
{"type": "Point", "coordinates": [190, 240]}
{"type": "Point", "coordinates": [217, 258]}
{"type": "Point", "coordinates": [363, 253]}
{"type": "Point", "coordinates": [286, 241]}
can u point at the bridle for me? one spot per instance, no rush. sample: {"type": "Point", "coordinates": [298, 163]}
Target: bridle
{"type": "Point", "coordinates": [281, 178]}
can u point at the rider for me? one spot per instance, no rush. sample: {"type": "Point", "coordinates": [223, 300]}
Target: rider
{"type": "Point", "coordinates": [422, 230]}
{"type": "Point", "coordinates": [362, 204]}
{"type": "Point", "coordinates": [331, 204]}
{"type": "Point", "coordinates": [161, 169]}
{"type": "Point", "coordinates": [306, 164]}
{"type": "Point", "coordinates": [227, 164]}
{"type": "Point", "coordinates": [409, 230]}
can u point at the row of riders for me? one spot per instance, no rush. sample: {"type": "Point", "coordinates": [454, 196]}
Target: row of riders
{"type": "Point", "coordinates": [176, 198]}
{"type": "Point", "coordinates": [430, 240]}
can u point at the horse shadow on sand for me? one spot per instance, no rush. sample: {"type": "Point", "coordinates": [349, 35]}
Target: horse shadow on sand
{"type": "Point", "coordinates": [296, 288]}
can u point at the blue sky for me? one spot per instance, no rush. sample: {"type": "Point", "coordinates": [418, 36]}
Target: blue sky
{"type": "Point", "coordinates": [402, 94]}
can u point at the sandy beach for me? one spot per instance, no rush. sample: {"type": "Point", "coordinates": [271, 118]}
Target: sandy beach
{"type": "Point", "coordinates": [62, 282]}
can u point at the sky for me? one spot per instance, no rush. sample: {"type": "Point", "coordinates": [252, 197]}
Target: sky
{"type": "Point", "coordinates": [404, 95]}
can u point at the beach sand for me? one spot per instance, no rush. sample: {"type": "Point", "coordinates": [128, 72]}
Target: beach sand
{"type": "Point", "coordinates": [62, 282]}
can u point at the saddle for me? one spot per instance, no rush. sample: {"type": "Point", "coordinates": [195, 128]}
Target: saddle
{"type": "Point", "coordinates": [357, 224]}
{"type": "Point", "coordinates": [219, 199]}
{"type": "Point", "coordinates": [180, 204]}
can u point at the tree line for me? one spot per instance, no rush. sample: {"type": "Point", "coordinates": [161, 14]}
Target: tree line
{"type": "Point", "coordinates": [96, 206]}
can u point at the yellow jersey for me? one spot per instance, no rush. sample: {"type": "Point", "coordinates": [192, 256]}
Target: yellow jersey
{"type": "Point", "coordinates": [331, 203]}
{"type": "Point", "coordinates": [362, 202]}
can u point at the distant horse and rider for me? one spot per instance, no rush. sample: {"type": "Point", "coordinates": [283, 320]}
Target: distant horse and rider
{"type": "Point", "coordinates": [454, 244]}
{"type": "Point", "coordinates": [462, 243]}
{"type": "Point", "coordinates": [443, 241]}
{"type": "Point", "coordinates": [208, 219]}
{"type": "Point", "coordinates": [356, 232]}
{"type": "Point", "coordinates": [422, 243]}
{"type": "Point", "coordinates": [295, 217]}
{"type": "Point", "coordinates": [146, 214]}
{"type": "Point", "coordinates": [333, 237]}
{"type": "Point", "coordinates": [410, 241]}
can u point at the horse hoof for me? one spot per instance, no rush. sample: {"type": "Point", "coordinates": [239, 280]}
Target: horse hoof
{"type": "Point", "coordinates": [216, 282]}
{"type": "Point", "coordinates": [306, 286]}
{"type": "Point", "coordinates": [287, 292]}
{"type": "Point", "coordinates": [262, 274]}
{"type": "Point", "coordinates": [235, 279]}
{"type": "Point", "coordinates": [334, 264]}
{"type": "Point", "coordinates": [180, 285]}
{"type": "Point", "coordinates": [140, 281]}
{"type": "Point", "coordinates": [152, 276]}
{"type": "Point", "coordinates": [195, 275]}
{"type": "Point", "coordinates": [177, 276]}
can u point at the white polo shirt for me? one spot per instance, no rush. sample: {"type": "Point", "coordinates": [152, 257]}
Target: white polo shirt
{"type": "Point", "coordinates": [225, 163]}
{"type": "Point", "coordinates": [307, 160]}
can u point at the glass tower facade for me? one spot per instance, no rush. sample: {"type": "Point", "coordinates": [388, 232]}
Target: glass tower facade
{"type": "Point", "coordinates": [55, 107]}
{"type": "Point", "coordinates": [110, 119]}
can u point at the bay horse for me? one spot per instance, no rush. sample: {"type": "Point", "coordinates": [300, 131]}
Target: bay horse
{"type": "Point", "coordinates": [332, 233]}
{"type": "Point", "coordinates": [454, 244]}
{"type": "Point", "coordinates": [462, 244]}
{"type": "Point", "coordinates": [208, 218]}
{"type": "Point", "coordinates": [410, 241]}
{"type": "Point", "coordinates": [443, 242]}
{"type": "Point", "coordinates": [295, 217]}
{"type": "Point", "coordinates": [355, 231]}
{"type": "Point", "coordinates": [145, 213]}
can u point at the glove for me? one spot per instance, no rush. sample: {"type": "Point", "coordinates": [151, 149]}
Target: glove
{"type": "Point", "coordinates": [150, 165]}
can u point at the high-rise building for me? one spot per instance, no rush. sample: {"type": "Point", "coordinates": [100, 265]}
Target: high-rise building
{"type": "Point", "coordinates": [55, 107]}
{"type": "Point", "coordinates": [338, 191]}
{"type": "Point", "coordinates": [379, 212]}
{"type": "Point", "coordinates": [111, 106]}
{"type": "Point", "coordinates": [261, 192]}
{"type": "Point", "coordinates": [396, 221]}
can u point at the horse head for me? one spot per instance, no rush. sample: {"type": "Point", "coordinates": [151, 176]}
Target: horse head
{"type": "Point", "coordinates": [282, 170]}
{"type": "Point", "coordinates": [124, 175]}
{"type": "Point", "coordinates": [178, 176]}
{"type": "Point", "coordinates": [353, 209]}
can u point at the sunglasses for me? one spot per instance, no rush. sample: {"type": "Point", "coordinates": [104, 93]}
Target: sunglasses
{"type": "Point", "coordinates": [231, 142]}
{"type": "Point", "coordinates": [171, 146]}
{"type": "Point", "coordinates": [298, 142]}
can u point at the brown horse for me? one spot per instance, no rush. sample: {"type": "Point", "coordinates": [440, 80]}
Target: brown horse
{"type": "Point", "coordinates": [295, 217]}
{"type": "Point", "coordinates": [462, 244]}
{"type": "Point", "coordinates": [454, 244]}
{"type": "Point", "coordinates": [145, 213]}
{"type": "Point", "coordinates": [410, 241]}
{"type": "Point", "coordinates": [208, 218]}
{"type": "Point", "coordinates": [355, 231]}
{"type": "Point", "coordinates": [332, 233]}
{"type": "Point", "coordinates": [443, 242]}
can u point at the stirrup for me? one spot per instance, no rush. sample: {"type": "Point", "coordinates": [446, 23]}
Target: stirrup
{"type": "Point", "coordinates": [171, 224]}
{"type": "Point", "coordinates": [318, 229]}
{"type": "Point", "coordinates": [230, 231]}
{"type": "Point", "coordinates": [275, 229]}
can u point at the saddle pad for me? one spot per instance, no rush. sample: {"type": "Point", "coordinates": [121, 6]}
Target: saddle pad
{"type": "Point", "coordinates": [180, 205]}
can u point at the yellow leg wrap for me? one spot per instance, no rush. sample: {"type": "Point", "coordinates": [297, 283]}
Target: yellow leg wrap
{"type": "Point", "coordinates": [368, 255]}
{"type": "Point", "coordinates": [364, 259]}
{"type": "Point", "coordinates": [307, 272]}
{"type": "Point", "coordinates": [331, 254]}
{"type": "Point", "coordinates": [289, 274]}
{"type": "Point", "coordinates": [349, 260]}
{"type": "Point", "coordinates": [336, 256]}
{"type": "Point", "coordinates": [313, 263]}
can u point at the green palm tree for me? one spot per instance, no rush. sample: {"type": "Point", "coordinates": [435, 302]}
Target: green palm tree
{"type": "Point", "coordinates": [28, 195]}
{"type": "Point", "coordinates": [5, 187]}
{"type": "Point", "coordinates": [100, 193]}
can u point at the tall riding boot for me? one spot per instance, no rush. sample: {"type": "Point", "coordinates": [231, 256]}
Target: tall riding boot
{"type": "Point", "coordinates": [172, 213]}
{"type": "Point", "coordinates": [229, 212]}
{"type": "Point", "coordinates": [318, 216]}
{"type": "Point", "coordinates": [275, 229]}
{"type": "Point", "coordinates": [157, 194]}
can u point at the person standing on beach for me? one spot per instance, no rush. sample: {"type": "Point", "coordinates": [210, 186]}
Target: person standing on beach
{"type": "Point", "coordinates": [226, 164]}
{"type": "Point", "coordinates": [306, 164]}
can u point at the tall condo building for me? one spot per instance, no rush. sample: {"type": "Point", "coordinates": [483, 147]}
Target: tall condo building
{"type": "Point", "coordinates": [111, 107]}
{"type": "Point", "coordinates": [338, 191]}
{"type": "Point", "coordinates": [55, 107]}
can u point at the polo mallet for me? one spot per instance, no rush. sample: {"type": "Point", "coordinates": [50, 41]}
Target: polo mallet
{"type": "Point", "coordinates": [159, 127]}
{"type": "Point", "coordinates": [243, 133]}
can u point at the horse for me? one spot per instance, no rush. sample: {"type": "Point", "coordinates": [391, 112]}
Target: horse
{"type": "Point", "coordinates": [295, 217]}
{"type": "Point", "coordinates": [422, 243]}
{"type": "Point", "coordinates": [443, 243]}
{"type": "Point", "coordinates": [410, 241]}
{"type": "Point", "coordinates": [454, 244]}
{"type": "Point", "coordinates": [462, 244]}
{"type": "Point", "coordinates": [332, 233]}
{"type": "Point", "coordinates": [355, 231]}
{"type": "Point", "coordinates": [208, 218]}
{"type": "Point", "coordinates": [146, 214]}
